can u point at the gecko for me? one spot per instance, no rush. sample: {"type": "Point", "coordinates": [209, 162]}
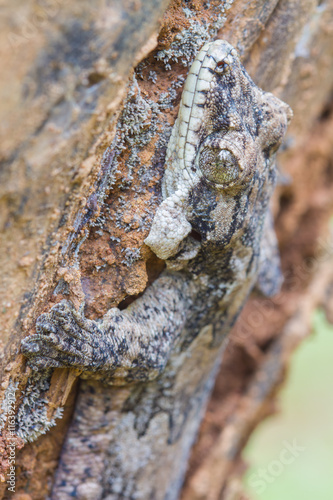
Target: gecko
{"type": "Point", "coordinates": [214, 231]}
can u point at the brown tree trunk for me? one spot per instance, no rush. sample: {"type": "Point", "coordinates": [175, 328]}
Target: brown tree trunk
{"type": "Point", "coordinates": [69, 94]}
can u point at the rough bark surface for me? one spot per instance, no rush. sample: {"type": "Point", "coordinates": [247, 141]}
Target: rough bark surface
{"type": "Point", "coordinates": [66, 71]}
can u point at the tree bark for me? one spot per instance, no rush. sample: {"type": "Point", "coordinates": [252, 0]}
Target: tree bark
{"type": "Point", "coordinates": [70, 95]}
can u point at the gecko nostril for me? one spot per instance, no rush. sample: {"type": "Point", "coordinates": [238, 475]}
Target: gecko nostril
{"type": "Point", "coordinates": [221, 66]}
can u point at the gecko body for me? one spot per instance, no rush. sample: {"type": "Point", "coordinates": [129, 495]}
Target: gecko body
{"type": "Point", "coordinates": [214, 230]}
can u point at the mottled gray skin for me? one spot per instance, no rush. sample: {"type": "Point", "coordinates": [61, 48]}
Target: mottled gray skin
{"type": "Point", "coordinates": [214, 230]}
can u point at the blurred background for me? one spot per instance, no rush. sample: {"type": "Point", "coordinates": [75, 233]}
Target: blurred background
{"type": "Point", "coordinates": [303, 426]}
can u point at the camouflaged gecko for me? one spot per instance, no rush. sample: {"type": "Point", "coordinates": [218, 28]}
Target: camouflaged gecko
{"type": "Point", "coordinates": [214, 231]}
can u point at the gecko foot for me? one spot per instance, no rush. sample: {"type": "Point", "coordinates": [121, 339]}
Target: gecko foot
{"type": "Point", "coordinates": [64, 339]}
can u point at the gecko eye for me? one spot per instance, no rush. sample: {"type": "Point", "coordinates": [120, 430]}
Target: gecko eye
{"type": "Point", "coordinates": [219, 166]}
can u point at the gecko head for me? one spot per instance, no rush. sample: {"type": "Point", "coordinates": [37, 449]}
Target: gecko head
{"type": "Point", "coordinates": [220, 168]}
{"type": "Point", "coordinates": [233, 163]}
